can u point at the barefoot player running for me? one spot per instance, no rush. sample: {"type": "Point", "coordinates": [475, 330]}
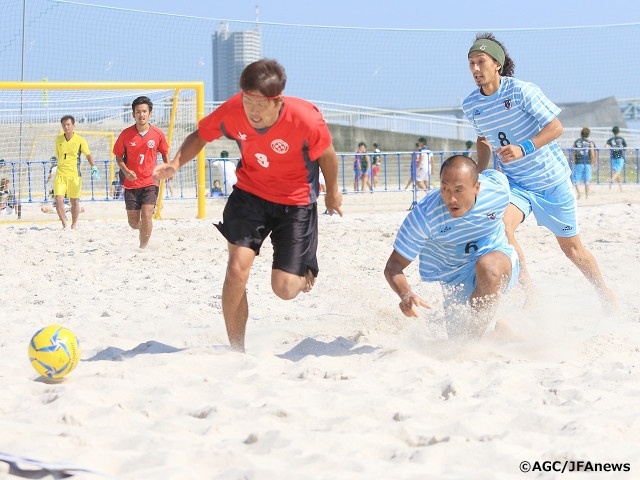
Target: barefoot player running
{"type": "Point", "coordinates": [284, 142]}
{"type": "Point", "coordinates": [517, 120]}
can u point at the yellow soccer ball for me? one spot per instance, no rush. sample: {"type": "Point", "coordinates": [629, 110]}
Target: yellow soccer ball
{"type": "Point", "coordinates": [54, 351]}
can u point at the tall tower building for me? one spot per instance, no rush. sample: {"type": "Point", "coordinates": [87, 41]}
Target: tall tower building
{"type": "Point", "coordinates": [232, 51]}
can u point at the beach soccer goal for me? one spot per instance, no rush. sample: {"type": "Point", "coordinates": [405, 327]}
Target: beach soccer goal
{"type": "Point", "coordinates": [30, 116]}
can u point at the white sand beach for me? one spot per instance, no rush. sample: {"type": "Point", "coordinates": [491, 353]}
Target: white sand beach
{"type": "Point", "coordinates": [336, 384]}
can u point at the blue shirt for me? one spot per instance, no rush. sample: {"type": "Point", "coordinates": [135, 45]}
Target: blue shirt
{"type": "Point", "coordinates": [516, 112]}
{"type": "Point", "coordinates": [445, 244]}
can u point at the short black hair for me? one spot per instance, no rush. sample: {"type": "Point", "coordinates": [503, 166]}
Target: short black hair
{"type": "Point", "coordinates": [266, 76]}
{"type": "Point", "coordinates": [142, 101]}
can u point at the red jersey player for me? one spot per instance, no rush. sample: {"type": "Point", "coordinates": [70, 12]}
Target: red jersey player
{"type": "Point", "coordinates": [136, 152]}
{"type": "Point", "coordinates": [284, 143]}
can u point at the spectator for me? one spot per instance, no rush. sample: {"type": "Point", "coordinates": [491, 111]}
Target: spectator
{"type": "Point", "coordinates": [8, 202]}
{"type": "Point", "coordinates": [617, 144]}
{"type": "Point", "coordinates": [426, 165]}
{"type": "Point", "coordinates": [115, 190]}
{"type": "Point", "coordinates": [216, 191]}
{"type": "Point", "coordinates": [412, 168]}
{"type": "Point", "coordinates": [227, 170]}
{"type": "Point", "coordinates": [584, 157]}
{"type": "Point", "coordinates": [376, 163]}
{"type": "Point", "coordinates": [52, 175]}
{"type": "Point", "coordinates": [361, 167]}
{"type": "Point", "coordinates": [467, 152]}
{"type": "Point", "coordinates": [169, 186]}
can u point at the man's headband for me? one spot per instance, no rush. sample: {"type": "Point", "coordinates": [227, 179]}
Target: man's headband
{"type": "Point", "coordinates": [489, 47]}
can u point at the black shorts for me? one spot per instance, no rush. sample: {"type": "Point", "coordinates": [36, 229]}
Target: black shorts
{"type": "Point", "coordinates": [247, 220]}
{"type": "Point", "coordinates": [135, 198]}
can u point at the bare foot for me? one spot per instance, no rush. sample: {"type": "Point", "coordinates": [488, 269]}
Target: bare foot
{"type": "Point", "coordinates": [310, 281]}
{"type": "Point", "coordinates": [530, 297]}
{"type": "Point", "coordinates": [503, 333]}
{"type": "Point", "coordinates": [609, 302]}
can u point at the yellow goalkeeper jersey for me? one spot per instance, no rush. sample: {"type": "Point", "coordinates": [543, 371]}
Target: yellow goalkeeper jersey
{"type": "Point", "coordinates": [69, 154]}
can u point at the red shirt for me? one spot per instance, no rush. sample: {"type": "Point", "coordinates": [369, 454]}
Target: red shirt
{"type": "Point", "coordinates": [280, 163]}
{"type": "Point", "coordinates": [140, 153]}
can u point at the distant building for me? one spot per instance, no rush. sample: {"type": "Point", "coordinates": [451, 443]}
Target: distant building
{"type": "Point", "coordinates": [232, 51]}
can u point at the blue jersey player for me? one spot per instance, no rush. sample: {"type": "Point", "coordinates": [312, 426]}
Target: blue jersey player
{"type": "Point", "coordinates": [520, 124]}
{"type": "Point", "coordinates": [459, 238]}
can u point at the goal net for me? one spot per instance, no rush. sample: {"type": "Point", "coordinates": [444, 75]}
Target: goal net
{"type": "Point", "coordinates": [30, 116]}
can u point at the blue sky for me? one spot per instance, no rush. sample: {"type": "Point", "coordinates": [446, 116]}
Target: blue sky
{"type": "Point", "coordinates": [398, 55]}
{"type": "Point", "coordinates": [488, 14]}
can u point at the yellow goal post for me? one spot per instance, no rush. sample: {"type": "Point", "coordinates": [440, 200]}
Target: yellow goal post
{"type": "Point", "coordinates": [30, 111]}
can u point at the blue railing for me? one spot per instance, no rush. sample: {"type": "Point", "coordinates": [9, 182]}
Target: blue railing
{"type": "Point", "coordinates": [393, 175]}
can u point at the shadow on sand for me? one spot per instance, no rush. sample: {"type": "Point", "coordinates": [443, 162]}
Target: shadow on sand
{"type": "Point", "coordinates": [340, 347]}
{"type": "Point", "coordinates": [115, 354]}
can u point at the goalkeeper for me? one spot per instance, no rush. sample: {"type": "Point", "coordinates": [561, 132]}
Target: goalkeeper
{"type": "Point", "coordinates": [68, 181]}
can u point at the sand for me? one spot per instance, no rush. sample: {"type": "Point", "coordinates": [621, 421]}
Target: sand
{"type": "Point", "coordinates": [335, 384]}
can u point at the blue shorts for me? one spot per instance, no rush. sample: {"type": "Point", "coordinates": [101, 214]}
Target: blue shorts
{"type": "Point", "coordinates": [582, 173]}
{"type": "Point", "coordinates": [554, 207]}
{"type": "Point", "coordinates": [617, 164]}
{"type": "Point", "coordinates": [457, 291]}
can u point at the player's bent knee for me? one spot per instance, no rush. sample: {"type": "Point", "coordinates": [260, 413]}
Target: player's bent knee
{"type": "Point", "coordinates": [286, 285]}
{"type": "Point", "coordinates": [492, 268]}
{"type": "Point", "coordinates": [571, 246]}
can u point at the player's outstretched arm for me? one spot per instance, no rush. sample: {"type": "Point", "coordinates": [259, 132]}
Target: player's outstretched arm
{"type": "Point", "coordinates": [394, 273]}
{"type": "Point", "coordinates": [329, 166]}
{"type": "Point", "coordinates": [187, 152]}
{"type": "Point", "coordinates": [483, 149]}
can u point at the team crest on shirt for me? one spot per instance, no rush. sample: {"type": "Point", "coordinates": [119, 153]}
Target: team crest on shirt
{"type": "Point", "coordinates": [507, 104]}
{"type": "Point", "coordinates": [151, 144]}
{"type": "Point", "coordinates": [492, 216]}
{"type": "Point", "coordinates": [280, 146]}
{"type": "Point", "coordinates": [262, 160]}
